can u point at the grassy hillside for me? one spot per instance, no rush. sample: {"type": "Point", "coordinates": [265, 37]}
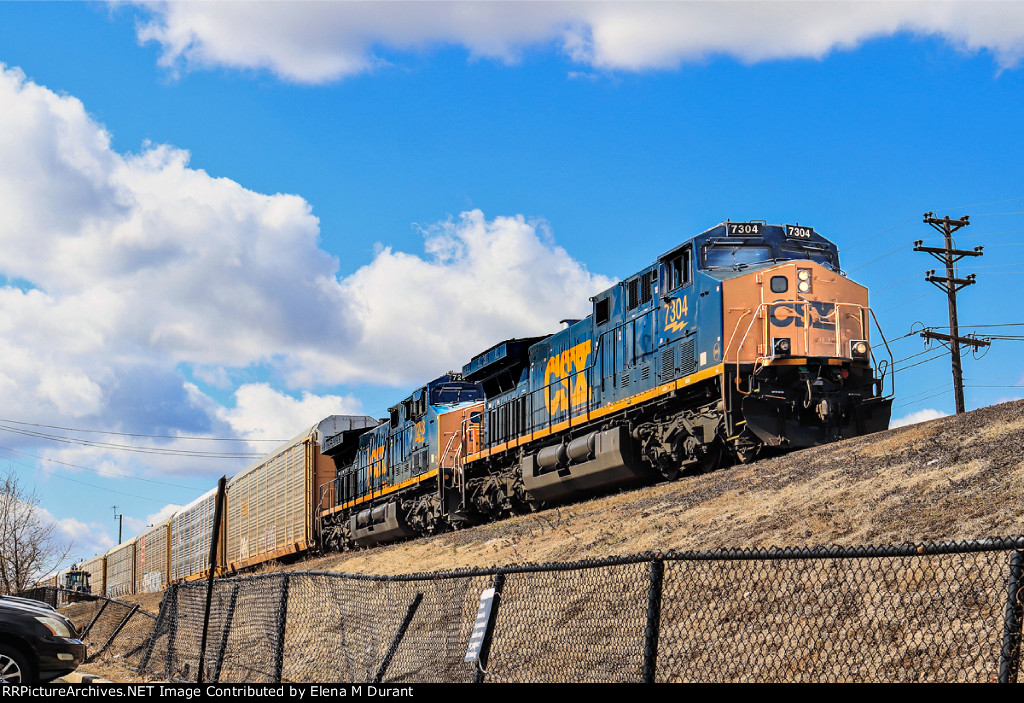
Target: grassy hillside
{"type": "Point", "coordinates": [957, 477]}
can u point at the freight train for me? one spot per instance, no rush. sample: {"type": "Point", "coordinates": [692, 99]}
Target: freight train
{"type": "Point", "coordinates": [743, 340]}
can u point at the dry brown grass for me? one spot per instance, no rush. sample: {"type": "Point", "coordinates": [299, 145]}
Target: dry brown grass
{"type": "Point", "coordinates": [949, 479]}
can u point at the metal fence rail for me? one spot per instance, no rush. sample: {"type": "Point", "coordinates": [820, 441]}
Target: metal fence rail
{"type": "Point", "coordinates": [936, 612]}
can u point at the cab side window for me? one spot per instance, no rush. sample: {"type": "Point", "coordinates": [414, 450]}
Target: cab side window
{"type": "Point", "coordinates": [679, 270]}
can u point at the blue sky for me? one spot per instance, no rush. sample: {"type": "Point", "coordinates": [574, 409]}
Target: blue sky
{"type": "Point", "coordinates": [233, 219]}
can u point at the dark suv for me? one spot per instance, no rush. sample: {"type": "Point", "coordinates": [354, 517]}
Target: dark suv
{"type": "Point", "coordinates": [36, 642]}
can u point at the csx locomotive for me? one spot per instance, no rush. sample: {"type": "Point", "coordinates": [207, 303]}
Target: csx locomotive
{"type": "Point", "coordinates": [745, 339]}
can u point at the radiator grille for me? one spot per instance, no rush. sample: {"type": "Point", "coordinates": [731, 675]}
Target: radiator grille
{"type": "Point", "coordinates": [668, 364]}
{"type": "Point", "coordinates": [687, 364]}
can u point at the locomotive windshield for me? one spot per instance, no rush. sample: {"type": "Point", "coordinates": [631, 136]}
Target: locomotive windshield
{"type": "Point", "coordinates": [739, 254]}
{"type": "Point", "coordinates": [730, 254]}
{"type": "Point", "coordinates": [451, 393]}
{"type": "Point", "coordinates": [810, 251]}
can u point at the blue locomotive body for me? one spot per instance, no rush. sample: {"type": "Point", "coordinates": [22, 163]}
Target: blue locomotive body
{"type": "Point", "coordinates": [405, 450]}
{"type": "Point", "coordinates": [745, 338]}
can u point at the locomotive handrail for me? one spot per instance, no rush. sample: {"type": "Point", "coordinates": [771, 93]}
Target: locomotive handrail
{"type": "Point", "coordinates": [891, 362]}
{"type": "Point", "coordinates": [447, 449]}
{"type": "Point", "coordinates": [806, 330]}
{"type": "Point", "coordinates": [742, 341]}
{"type": "Point", "coordinates": [323, 489]}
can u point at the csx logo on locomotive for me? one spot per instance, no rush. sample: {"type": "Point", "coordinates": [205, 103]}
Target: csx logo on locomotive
{"type": "Point", "coordinates": [566, 379]}
{"type": "Point", "coordinates": [819, 314]}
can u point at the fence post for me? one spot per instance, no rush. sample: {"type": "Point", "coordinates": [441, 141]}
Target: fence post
{"type": "Point", "coordinates": [485, 646]}
{"type": "Point", "coordinates": [282, 617]}
{"type": "Point", "coordinates": [218, 509]}
{"type": "Point", "coordinates": [653, 631]}
{"type": "Point", "coordinates": [95, 617]}
{"type": "Point", "coordinates": [224, 635]}
{"type": "Point", "coordinates": [396, 640]}
{"type": "Point", "coordinates": [1009, 657]}
{"type": "Point", "coordinates": [161, 621]}
{"type": "Point", "coordinates": [172, 631]}
{"type": "Point", "coordinates": [115, 633]}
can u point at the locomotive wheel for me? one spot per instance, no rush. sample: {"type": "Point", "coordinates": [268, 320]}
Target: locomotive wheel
{"type": "Point", "coordinates": [711, 460]}
{"type": "Point", "coordinates": [671, 473]}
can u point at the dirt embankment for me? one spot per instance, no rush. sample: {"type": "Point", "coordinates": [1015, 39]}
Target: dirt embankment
{"type": "Point", "coordinates": [954, 478]}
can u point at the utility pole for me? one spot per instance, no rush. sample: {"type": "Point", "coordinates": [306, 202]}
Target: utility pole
{"type": "Point", "coordinates": [951, 284]}
{"type": "Point", "coordinates": [120, 524]}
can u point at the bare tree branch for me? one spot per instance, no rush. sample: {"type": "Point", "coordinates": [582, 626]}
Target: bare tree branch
{"type": "Point", "coordinates": [30, 545]}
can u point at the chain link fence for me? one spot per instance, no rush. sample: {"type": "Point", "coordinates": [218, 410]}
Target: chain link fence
{"type": "Point", "coordinates": [938, 612]}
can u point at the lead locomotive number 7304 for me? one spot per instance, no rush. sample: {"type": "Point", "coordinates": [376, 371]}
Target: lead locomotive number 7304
{"type": "Point", "coordinates": [745, 339]}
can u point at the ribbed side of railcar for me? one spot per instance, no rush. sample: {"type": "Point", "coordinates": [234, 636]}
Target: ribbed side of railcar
{"type": "Point", "coordinates": [121, 570]}
{"type": "Point", "coordinates": [268, 506]}
{"type": "Point", "coordinates": [152, 559]}
{"type": "Point", "coordinates": [96, 568]}
{"type": "Point", "coordinates": [191, 530]}
{"type": "Point", "coordinates": [272, 505]}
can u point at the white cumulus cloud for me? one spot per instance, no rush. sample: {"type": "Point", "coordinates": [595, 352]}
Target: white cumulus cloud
{"type": "Point", "coordinates": [122, 269]}
{"type": "Point", "coordinates": [481, 281]}
{"type": "Point", "coordinates": [916, 417]}
{"type": "Point", "coordinates": [321, 41]}
{"type": "Point", "coordinates": [261, 412]}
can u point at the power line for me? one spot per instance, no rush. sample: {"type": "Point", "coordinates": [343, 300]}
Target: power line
{"type": "Point", "coordinates": [875, 236]}
{"type": "Point", "coordinates": [993, 324]}
{"type": "Point", "coordinates": [900, 305]}
{"type": "Point", "coordinates": [102, 473]}
{"type": "Point", "coordinates": [876, 260]}
{"type": "Point", "coordinates": [148, 436]}
{"type": "Point", "coordinates": [929, 390]}
{"type": "Point", "coordinates": [994, 202]}
{"type": "Point", "coordinates": [893, 285]}
{"type": "Point", "coordinates": [129, 448]}
{"type": "Point", "coordinates": [937, 356]}
{"type": "Point", "coordinates": [912, 356]}
{"type": "Point", "coordinates": [90, 485]}
{"type": "Point", "coordinates": [1018, 385]}
{"type": "Point", "coordinates": [921, 400]}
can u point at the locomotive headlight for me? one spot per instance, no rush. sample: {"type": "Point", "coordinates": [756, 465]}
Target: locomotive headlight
{"type": "Point", "coordinates": [803, 280]}
{"type": "Point", "coordinates": [780, 346]}
{"type": "Point", "coordinates": [859, 349]}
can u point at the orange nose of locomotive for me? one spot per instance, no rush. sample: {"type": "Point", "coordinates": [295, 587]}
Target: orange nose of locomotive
{"type": "Point", "coordinates": [799, 355]}
{"type": "Point", "coordinates": [796, 310]}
